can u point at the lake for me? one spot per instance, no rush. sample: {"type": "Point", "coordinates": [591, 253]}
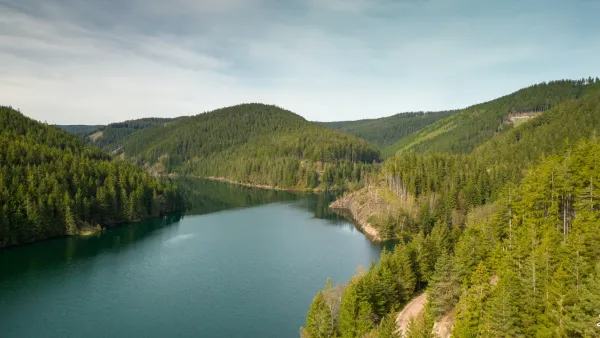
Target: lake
{"type": "Point", "coordinates": [242, 262]}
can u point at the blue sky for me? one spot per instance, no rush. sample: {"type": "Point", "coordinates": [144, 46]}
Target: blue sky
{"type": "Point", "coordinates": [89, 62]}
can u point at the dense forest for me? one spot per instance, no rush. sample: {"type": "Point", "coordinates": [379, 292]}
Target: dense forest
{"type": "Point", "coordinates": [453, 184]}
{"type": "Point", "coordinates": [54, 184]}
{"type": "Point", "coordinates": [468, 128]}
{"type": "Point", "coordinates": [254, 143]}
{"type": "Point", "coordinates": [385, 131]}
{"type": "Point", "coordinates": [503, 239]}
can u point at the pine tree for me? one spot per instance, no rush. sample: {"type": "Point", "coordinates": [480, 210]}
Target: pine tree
{"type": "Point", "coordinates": [501, 317]}
{"type": "Point", "coordinates": [355, 317]}
{"type": "Point", "coordinates": [318, 321]}
{"type": "Point", "coordinates": [584, 317]}
{"type": "Point", "coordinates": [387, 327]}
{"type": "Point", "coordinates": [422, 325]}
{"type": "Point", "coordinates": [561, 299]}
{"type": "Point", "coordinates": [406, 276]}
{"type": "Point", "coordinates": [445, 288]}
{"type": "Point", "coordinates": [470, 313]}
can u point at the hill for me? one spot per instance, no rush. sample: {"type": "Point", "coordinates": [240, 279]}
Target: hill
{"type": "Point", "coordinates": [504, 238]}
{"type": "Point", "coordinates": [387, 130]}
{"type": "Point", "coordinates": [54, 184]}
{"type": "Point", "coordinates": [253, 143]}
{"type": "Point", "coordinates": [466, 129]}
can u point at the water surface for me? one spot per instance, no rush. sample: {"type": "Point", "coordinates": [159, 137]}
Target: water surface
{"type": "Point", "coordinates": [242, 263]}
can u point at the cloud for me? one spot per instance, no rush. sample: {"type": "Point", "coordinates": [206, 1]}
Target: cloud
{"type": "Point", "coordinates": [98, 62]}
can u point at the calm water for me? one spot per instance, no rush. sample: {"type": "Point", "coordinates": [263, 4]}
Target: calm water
{"type": "Point", "coordinates": [242, 263]}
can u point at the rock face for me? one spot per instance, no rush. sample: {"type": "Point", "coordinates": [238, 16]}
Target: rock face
{"type": "Point", "coordinates": [358, 206]}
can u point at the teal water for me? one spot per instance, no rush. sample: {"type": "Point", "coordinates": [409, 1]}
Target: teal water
{"type": "Point", "coordinates": [241, 263]}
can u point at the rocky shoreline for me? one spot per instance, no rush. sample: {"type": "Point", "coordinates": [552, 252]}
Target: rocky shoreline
{"type": "Point", "coordinates": [358, 206]}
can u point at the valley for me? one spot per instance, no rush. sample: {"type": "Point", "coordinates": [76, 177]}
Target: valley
{"type": "Point", "coordinates": [502, 191]}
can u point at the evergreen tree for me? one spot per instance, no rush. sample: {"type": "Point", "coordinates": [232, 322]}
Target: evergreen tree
{"type": "Point", "coordinates": [52, 183]}
{"type": "Point", "coordinates": [319, 320]}
{"type": "Point", "coordinates": [445, 288]}
{"type": "Point", "coordinates": [470, 308]}
{"type": "Point", "coordinates": [355, 318]}
{"type": "Point", "coordinates": [387, 328]}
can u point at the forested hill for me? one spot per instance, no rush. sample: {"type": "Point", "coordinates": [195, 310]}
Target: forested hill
{"type": "Point", "coordinates": [465, 130]}
{"type": "Point", "coordinates": [54, 184]}
{"type": "Point", "coordinates": [253, 143]}
{"type": "Point", "coordinates": [504, 240]}
{"type": "Point", "coordinates": [387, 130]}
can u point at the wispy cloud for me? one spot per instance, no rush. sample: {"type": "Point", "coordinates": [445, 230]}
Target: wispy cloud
{"type": "Point", "coordinates": [67, 61]}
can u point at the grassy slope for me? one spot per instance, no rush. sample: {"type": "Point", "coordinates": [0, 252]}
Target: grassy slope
{"type": "Point", "coordinates": [470, 127]}
{"type": "Point", "coordinates": [387, 130]}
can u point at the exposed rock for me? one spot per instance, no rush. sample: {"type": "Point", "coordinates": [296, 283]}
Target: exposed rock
{"type": "Point", "coordinates": [359, 206]}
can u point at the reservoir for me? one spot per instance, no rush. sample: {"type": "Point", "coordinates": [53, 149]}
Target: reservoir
{"type": "Point", "coordinates": [242, 262]}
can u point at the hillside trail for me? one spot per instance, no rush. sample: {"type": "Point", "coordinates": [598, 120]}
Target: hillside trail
{"type": "Point", "coordinates": [412, 309]}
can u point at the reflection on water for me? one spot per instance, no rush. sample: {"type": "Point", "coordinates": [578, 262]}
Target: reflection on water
{"type": "Point", "coordinates": [249, 272]}
{"type": "Point", "coordinates": [14, 261]}
{"type": "Point", "coordinates": [204, 196]}
{"type": "Point", "coordinates": [201, 196]}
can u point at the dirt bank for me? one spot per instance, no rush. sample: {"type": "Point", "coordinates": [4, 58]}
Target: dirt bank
{"type": "Point", "coordinates": [443, 327]}
{"type": "Point", "coordinates": [411, 310]}
{"type": "Point", "coordinates": [359, 206]}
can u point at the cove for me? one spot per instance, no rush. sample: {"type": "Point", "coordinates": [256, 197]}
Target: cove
{"type": "Point", "coordinates": [242, 262]}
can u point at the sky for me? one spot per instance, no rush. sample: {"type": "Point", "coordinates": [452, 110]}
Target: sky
{"type": "Point", "coordinates": [96, 62]}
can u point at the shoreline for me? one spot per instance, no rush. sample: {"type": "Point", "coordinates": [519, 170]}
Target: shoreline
{"type": "Point", "coordinates": [260, 186]}
{"type": "Point", "coordinates": [366, 228]}
{"type": "Point", "coordinates": [349, 208]}
{"type": "Point", "coordinates": [251, 185]}
{"type": "Point", "coordinates": [84, 232]}
{"type": "Point", "coordinates": [343, 206]}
